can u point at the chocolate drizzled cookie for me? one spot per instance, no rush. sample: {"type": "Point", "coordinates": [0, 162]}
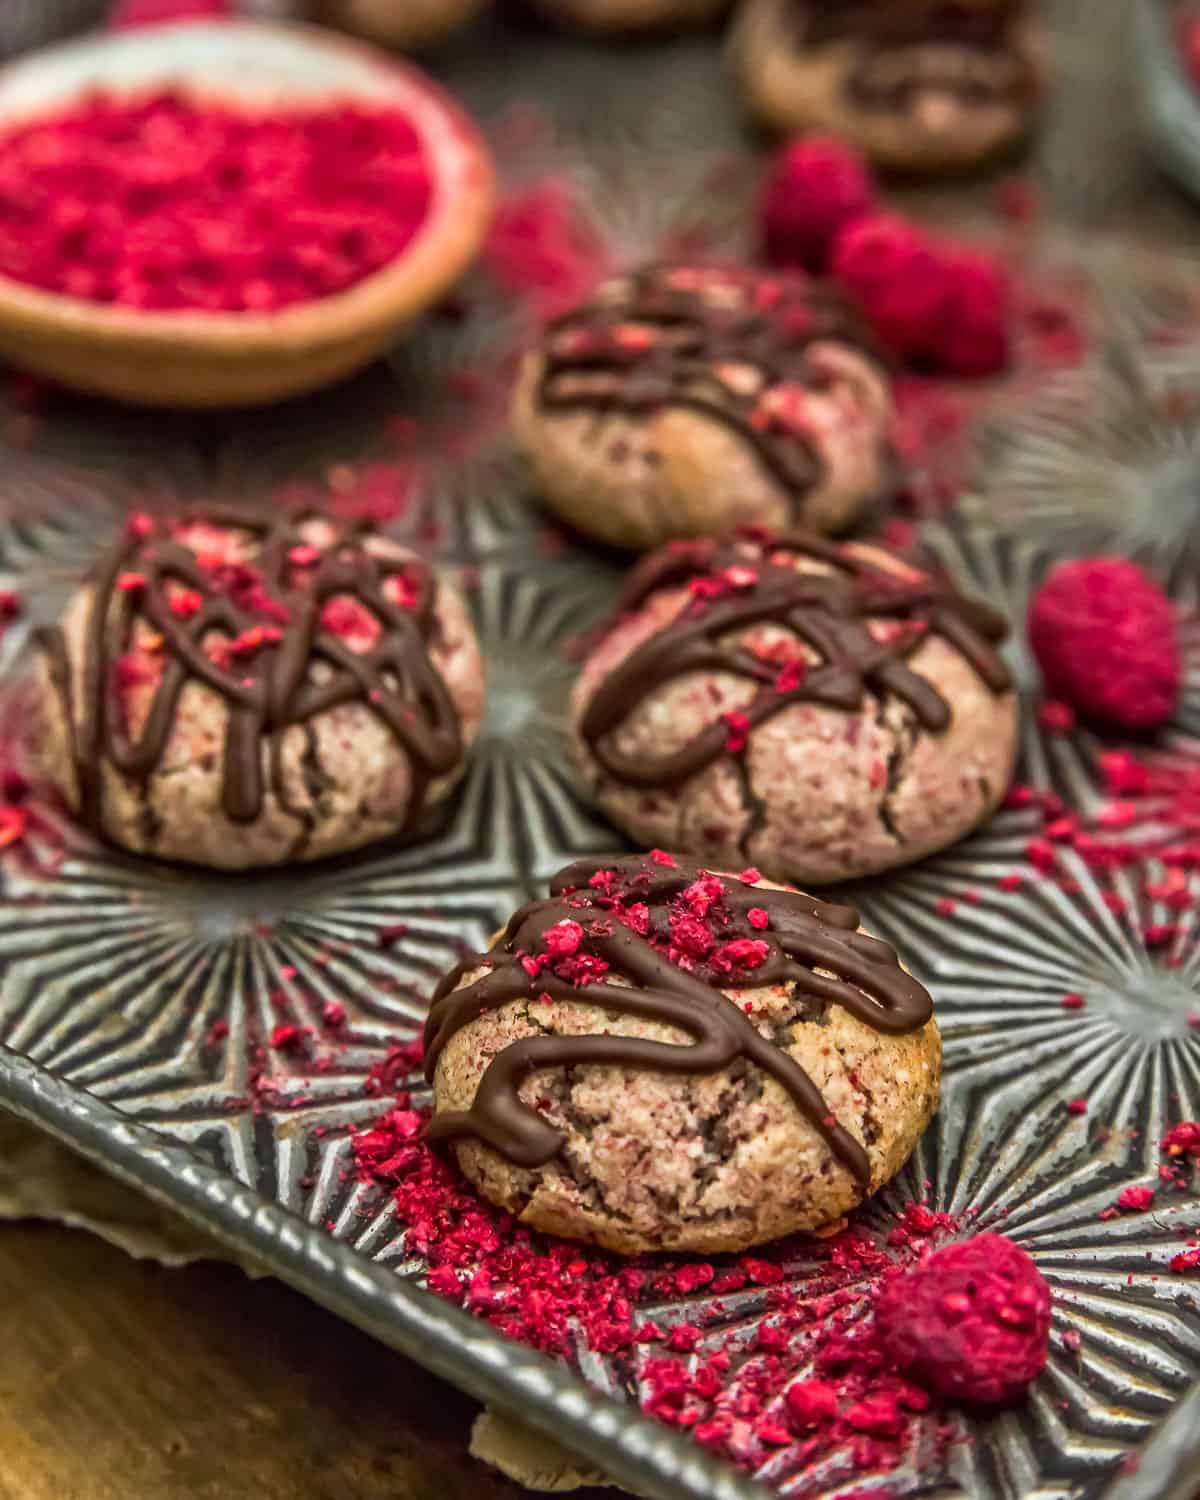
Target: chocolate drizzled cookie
{"type": "Point", "coordinates": [827, 611]}
{"type": "Point", "coordinates": [731, 347]}
{"type": "Point", "coordinates": [820, 710]}
{"type": "Point", "coordinates": [747, 972]}
{"type": "Point", "coordinates": [285, 625]}
{"type": "Point", "coordinates": [777, 379]}
{"type": "Point", "coordinates": [923, 84]}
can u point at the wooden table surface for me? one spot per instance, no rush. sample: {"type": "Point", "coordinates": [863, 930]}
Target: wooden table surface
{"type": "Point", "coordinates": [123, 1380]}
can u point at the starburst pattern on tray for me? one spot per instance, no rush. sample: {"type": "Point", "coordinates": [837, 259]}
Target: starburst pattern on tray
{"type": "Point", "coordinates": [245, 1017]}
{"type": "Point", "coordinates": [1106, 458]}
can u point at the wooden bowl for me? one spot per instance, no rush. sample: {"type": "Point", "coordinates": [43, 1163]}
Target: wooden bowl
{"type": "Point", "coordinates": [201, 359]}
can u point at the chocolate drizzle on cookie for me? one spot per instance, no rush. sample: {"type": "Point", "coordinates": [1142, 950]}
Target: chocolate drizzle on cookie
{"type": "Point", "coordinates": [616, 918]}
{"type": "Point", "coordinates": [860, 621]}
{"type": "Point", "coordinates": [735, 346]}
{"type": "Point", "coordinates": [970, 50]}
{"type": "Point", "coordinates": [257, 634]}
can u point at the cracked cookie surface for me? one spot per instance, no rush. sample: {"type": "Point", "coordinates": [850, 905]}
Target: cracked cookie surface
{"type": "Point", "coordinates": [235, 692]}
{"type": "Point", "coordinates": [650, 1148]}
{"type": "Point", "coordinates": [682, 401]}
{"type": "Point", "coordinates": [820, 711]}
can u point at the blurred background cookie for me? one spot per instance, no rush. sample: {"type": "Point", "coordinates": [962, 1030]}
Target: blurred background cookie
{"type": "Point", "coordinates": [918, 85]}
{"type": "Point", "coordinates": [661, 1058]}
{"type": "Point", "coordinates": [625, 16]}
{"type": "Point", "coordinates": [233, 693]}
{"type": "Point", "coordinates": [683, 401]}
{"type": "Point", "coordinates": [820, 711]}
{"type": "Point", "coordinates": [398, 23]}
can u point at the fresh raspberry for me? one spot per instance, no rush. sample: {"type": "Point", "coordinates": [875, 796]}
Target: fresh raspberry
{"type": "Point", "coordinates": [1104, 636]}
{"type": "Point", "coordinates": [973, 339]}
{"type": "Point", "coordinates": [813, 188]}
{"type": "Point", "coordinates": [888, 264]}
{"type": "Point", "coordinates": [971, 1321]}
{"type": "Point", "coordinates": [945, 307]}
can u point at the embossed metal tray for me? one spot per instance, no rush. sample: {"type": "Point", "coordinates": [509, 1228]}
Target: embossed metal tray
{"type": "Point", "coordinates": [113, 971]}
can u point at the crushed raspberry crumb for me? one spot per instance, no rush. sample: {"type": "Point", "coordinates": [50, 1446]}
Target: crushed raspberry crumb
{"type": "Point", "coordinates": [810, 1403]}
{"type": "Point", "coordinates": [1077, 1107]}
{"type": "Point", "coordinates": [1181, 1138]}
{"type": "Point", "coordinates": [164, 202]}
{"type": "Point", "coordinates": [563, 939]}
{"type": "Point", "coordinates": [690, 935]}
{"type": "Point", "coordinates": [542, 249]}
{"type": "Point", "coordinates": [737, 735]}
{"type": "Point", "coordinates": [660, 857]}
{"type": "Point", "coordinates": [742, 953]}
{"type": "Point", "coordinates": [1073, 1001]}
{"type": "Point", "coordinates": [758, 918]}
{"type": "Point", "coordinates": [1136, 1199]}
{"type": "Point", "coordinates": [186, 603]}
{"type": "Point", "coordinates": [1056, 717]}
{"type": "Point", "coordinates": [139, 527]}
{"type": "Point", "coordinates": [13, 825]}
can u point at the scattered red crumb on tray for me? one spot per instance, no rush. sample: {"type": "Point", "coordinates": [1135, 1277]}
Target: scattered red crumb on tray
{"type": "Point", "coordinates": [541, 247]}
{"type": "Point", "coordinates": [815, 1375]}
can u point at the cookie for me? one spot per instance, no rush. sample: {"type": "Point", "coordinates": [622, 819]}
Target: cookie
{"type": "Point", "coordinates": [623, 17]}
{"type": "Point", "coordinates": [819, 710]}
{"type": "Point", "coordinates": [663, 1058]}
{"type": "Point", "coordinates": [917, 85]}
{"type": "Point", "coordinates": [407, 24]}
{"type": "Point", "coordinates": [234, 693]}
{"type": "Point", "coordinates": [682, 401]}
